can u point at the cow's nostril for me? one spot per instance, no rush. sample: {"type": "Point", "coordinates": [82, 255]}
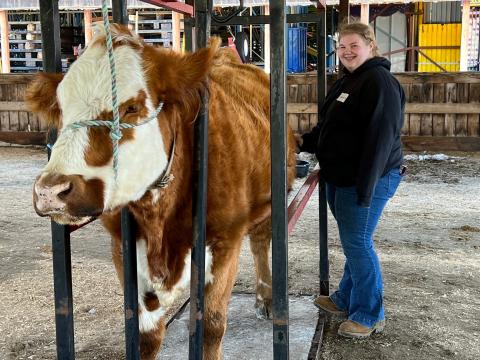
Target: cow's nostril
{"type": "Point", "coordinates": [62, 195]}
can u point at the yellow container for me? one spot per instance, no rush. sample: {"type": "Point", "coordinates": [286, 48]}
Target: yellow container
{"type": "Point", "coordinates": [439, 35]}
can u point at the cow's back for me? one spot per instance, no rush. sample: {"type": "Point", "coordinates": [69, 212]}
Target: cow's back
{"type": "Point", "coordinates": [239, 142]}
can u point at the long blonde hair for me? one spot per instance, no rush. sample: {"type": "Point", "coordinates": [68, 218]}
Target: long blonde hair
{"type": "Point", "coordinates": [363, 30]}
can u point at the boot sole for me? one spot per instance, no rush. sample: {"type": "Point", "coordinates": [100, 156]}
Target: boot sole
{"type": "Point", "coordinates": [333, 312]}
{"type": "Point", "coordinates": [377, 328]}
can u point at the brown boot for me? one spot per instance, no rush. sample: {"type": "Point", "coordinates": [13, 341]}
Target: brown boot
{"type": "Point", "coordinates": [326, 304]}
{"type": "Point", "coordinates": [352, 329]}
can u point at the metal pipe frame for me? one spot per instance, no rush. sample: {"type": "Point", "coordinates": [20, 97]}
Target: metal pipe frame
{"type": "Point", "coordinates": [267, 19]}
{"type": "Point", "coordinates": [322, 209]}
{"type": "Point", "coordinates": [278, 141]}
{"type": "Point", "coordinates": [61, 234]}
{"type": "Point", "coordinates": [62, 268]}
{"type": "Point", "coordinates": [129, 246]}
{"type": "Point", "coordinates": [203, 11]}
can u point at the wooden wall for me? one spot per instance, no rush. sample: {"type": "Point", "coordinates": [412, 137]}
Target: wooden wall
{"type": "Point", "coordinates": [442, 110]}
{"type": "Point", "coordinates": [16, 124]}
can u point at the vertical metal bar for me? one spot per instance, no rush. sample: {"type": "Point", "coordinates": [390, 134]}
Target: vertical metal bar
{"type": "Point", "coordinates": [130, 285]}
{"type": "Point", "coordinates": [119, 11]}
{"type": "Point", "coordinates": [50, 25]}
{"type": "Point", "coordinates": [321, 60]}
{"type": "Point", "coordinates": [62, 282]}
{"type": "Point", "coordinates": [323, 229]}
{"type": "Point", "coordinates": [322, 215]}
{"type": "Point", "coordinates": [197, 286]}
{"type": "Point", "coordinates": [129, 246]}
{"type": "Point", "coordinates": [62, 264]}
{"type": "Point", "coordinates": [188, 29]}
{"type": "Point", "coordinates": [279, 180]}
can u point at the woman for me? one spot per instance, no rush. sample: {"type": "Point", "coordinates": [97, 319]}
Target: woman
{"type": "Point", "coordinates": [357, 143]}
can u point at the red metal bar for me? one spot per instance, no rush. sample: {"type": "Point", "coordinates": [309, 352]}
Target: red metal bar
{"type": "Point", "coordinates": [418, 48]}
{"type": "Point", "coordinates": [173, 5]}
{"type": "Point", "coordinates": [300, 201]}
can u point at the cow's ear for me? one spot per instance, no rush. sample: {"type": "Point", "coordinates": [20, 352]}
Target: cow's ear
{"type": "Point", "coordinates": [175, 77]}
{"type": "Point", "coordinates": [41, 97]}
{"type": "Point", "coordinates": [196, 66]}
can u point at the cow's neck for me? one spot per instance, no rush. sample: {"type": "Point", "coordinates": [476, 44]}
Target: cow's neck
{"type": "Point", "coordinates": [161, 212]}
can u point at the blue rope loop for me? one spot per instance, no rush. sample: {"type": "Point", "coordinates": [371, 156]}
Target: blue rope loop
{"type": "Point", "coordinates": [115, 133]}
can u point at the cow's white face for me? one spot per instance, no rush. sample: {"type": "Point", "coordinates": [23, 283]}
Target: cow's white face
{"type": "Point", "coordinates": [82, 158]}
{"type": "Point", "coordinates": [79, 181]}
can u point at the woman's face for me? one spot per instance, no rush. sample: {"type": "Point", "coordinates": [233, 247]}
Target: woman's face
{"type": "Point", "coordinates": [353, 50]}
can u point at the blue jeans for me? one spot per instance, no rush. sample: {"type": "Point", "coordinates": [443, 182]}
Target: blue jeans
{"type": "Point", "coordinates": [360, 292]}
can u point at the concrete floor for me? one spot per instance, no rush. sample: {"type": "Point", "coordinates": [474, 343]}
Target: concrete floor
{"type": "Point", "coordinates": [248, 338]}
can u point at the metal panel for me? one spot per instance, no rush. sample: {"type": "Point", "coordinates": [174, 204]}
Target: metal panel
{"type": "Point", "coordinates": [445, 12]}
{"type": "Point", "coordinates": [132, 348]}
{"type": "Point", "coordinates": [62, 268]}
{"type": "Point", "coordinates": [138, 4]}
{"type": "Point", "coordinates": [474, 40]}
{"type": "Point", "coordinates": [391, 34]}
{"type": "Point", "coordinates": [438, 35]}
{"type": "Point", "coordinates": [62, 282]}
{"type": "Point", "coordinates": [279, 180]}
{"type": "Point", "coordinates": [203, 10]}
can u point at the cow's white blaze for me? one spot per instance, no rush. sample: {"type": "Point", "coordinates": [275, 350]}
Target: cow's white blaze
{"type": "Point", "coordinates": [148, 319]}
{"type": "Point", "coordinates": [83, 94]}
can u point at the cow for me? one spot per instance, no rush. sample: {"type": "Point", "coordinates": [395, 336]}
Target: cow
{"type": "Point", "coordinates": [79, 181]}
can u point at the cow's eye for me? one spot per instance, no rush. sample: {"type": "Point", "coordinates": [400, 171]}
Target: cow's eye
{"type": "Point", "coordinates": [131, 109]}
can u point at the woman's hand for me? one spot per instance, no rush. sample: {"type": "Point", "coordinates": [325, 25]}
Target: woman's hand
{"type": "Point", "coordinates": [298, 141]}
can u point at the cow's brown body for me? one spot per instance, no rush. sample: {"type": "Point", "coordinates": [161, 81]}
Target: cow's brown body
{"type": "Point", "coordinates": [238, 201]}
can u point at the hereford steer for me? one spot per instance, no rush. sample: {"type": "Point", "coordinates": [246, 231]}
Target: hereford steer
{"type": "Point", "coordinates": [79, 182]}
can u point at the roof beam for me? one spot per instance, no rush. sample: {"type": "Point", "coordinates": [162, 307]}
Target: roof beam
{"type": "Point", "coordinates": [176, 6]}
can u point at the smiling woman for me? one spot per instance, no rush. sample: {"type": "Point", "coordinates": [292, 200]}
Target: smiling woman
{"type": "Point", "coordinates": [356, 45]}
{"type": "Point", "coordinates": [357, 143]}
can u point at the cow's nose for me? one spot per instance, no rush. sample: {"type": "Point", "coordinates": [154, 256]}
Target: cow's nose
{"type": "Point", "coordinates": [49, 196]}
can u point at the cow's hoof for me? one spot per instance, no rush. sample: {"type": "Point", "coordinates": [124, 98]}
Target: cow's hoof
{"type": "Point", "coordinates": [263, 310]}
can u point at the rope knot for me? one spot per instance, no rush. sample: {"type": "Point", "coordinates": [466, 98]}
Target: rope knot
{"type": "Point", "coordinates": [115, 135]}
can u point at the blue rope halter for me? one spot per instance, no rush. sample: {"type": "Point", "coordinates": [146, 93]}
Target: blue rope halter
{"type": "Point", "coordinates": [114, 125]}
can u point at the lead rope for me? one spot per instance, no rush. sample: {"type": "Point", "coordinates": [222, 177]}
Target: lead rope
{"type": "Point", "coordinates": [115, 133]}
{"type": "Point", "coordinates": [115, 126]}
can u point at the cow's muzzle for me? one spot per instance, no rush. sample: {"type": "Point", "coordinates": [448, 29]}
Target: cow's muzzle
{"type": "Point", "coordinates": [67, 199]}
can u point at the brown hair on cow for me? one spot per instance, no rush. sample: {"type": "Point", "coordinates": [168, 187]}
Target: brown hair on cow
{"type": "Point", "coordinates": [41, 97]}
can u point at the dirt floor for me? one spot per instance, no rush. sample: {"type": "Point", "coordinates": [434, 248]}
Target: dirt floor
{"type": "Point", "coordinates": [428, 243]}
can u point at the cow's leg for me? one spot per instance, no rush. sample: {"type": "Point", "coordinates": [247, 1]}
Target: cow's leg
{"type": "Point", "coordinates": [217, 296]}
{"type": "Point", "coordinates": [152, 326]}
{"type": "Point", "coordinates": [260, 237]}
{"type": "Point", "coordinates": [150, 313]}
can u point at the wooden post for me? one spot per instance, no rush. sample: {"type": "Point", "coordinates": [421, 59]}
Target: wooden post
{"type": "Point", "coordinates": [266, 44]}
{"type": "Point", "coordinates": [136, 22]}
{"type": "Point", "coordinates": [5, 45]}
{"type": "Point", "coordinates": [87, 17]}
{"type": "Point", "coordinates": [365, 13]}
{"type": "Point", "coordinates": [176, 18]}
{"type": "Point", "coordinates": [465, 35]}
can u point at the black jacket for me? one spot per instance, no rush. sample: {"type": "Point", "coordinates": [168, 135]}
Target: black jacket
{"type": "Point", "coordinates": [357, 138]}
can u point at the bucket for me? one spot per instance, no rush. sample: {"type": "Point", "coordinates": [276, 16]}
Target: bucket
{"type": "Point", "coordinates": [302, 168]}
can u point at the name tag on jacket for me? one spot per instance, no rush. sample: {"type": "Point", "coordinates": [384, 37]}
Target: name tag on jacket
{"type": "Point", "coordinates": [342, 97]}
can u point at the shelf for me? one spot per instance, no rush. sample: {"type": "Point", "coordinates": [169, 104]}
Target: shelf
{"type": "Point", "coordinates": [24, 41]}
{"type": "Point", "coordinates": [21, 32]}
{"type": "Point", "coordinates": [155, 31]}
{"type": "Point", "coordinates": [25, 50]}
{"type": "Point", "coordinates": [156, 40]}
{"type": "Point", "coordinates": [23, 22]}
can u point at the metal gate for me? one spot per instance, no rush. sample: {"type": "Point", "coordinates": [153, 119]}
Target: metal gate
{"type": "Point", "coordinates": [61, 234]}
